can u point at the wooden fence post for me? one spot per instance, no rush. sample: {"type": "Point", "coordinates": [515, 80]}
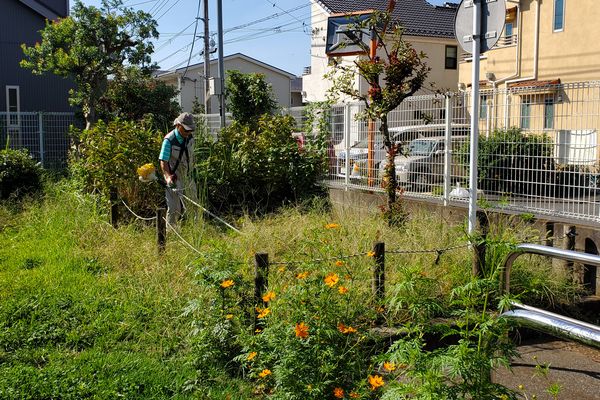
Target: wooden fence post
{"type": "Point", "coordinates": [378, 285]}
{"type": "Point", "coordinates": [114, 209]}
{"type": "Point", "coordinates": [161, 230]}
{"type": "Point", "coordinates": [261, 283]}
{"type": "Point", "coordinates": [550, 234]}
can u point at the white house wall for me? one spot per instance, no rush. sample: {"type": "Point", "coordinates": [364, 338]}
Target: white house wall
{"type": "Point", "coordinates": [191, 90]}
{"type": "Point", "coordinates": [316, 86]}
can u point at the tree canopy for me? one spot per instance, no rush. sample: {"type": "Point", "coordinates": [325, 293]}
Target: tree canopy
{"type": "Point", "coordinates": [248, 96]}
{"type": "Point", "coordinates": [91, 45]}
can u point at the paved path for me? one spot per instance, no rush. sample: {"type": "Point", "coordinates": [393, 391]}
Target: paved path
{"type": "Point", "coordinates": [574, 367]}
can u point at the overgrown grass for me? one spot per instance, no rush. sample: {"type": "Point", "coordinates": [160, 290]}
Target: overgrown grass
{"type": "Point", "coordinates": [90, 311]}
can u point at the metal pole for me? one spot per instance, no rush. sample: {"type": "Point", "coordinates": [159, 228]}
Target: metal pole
{"type": "Point", "coordinates": [41, 131]}
{"type": "Point", "coordinates": [448, 149]}
{"type": "Point", "coordinates": [206, 60]}
{"type": "Point", "coordinates": [347, 166]}
{"type": "Point", "coordinates": [221, 65]}
{"type": "Point", "coordinates": [474, 116]}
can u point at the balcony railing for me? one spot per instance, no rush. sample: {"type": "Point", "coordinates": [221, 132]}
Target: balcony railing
{"type": "Point", "coordinates": [504, 41]}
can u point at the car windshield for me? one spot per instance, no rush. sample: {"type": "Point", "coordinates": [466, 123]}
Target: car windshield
{"type": "Point", "coordinates": [420, 147]}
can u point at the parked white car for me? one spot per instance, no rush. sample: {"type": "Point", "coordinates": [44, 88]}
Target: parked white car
{"type": "Point", "coordinates": [358, 159]}
{"type": "Point", "coordinates": [422, 163]}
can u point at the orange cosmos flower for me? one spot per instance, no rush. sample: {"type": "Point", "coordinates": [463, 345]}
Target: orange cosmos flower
{"type": "Point", "coordinates": [343, 290]}
{"type": "Point", "coordinates": [301, 330]}
{"type": "Point", "coordinates": [354, 395]}
{"type": "Point", "coordinates": [375, 381]}
{"type": "Point", "coordinates": [302, 275]}
{"type": "Point", "coordinates": [345, 329]}
{"type": "Point", "coordinates": [371, 254]}
{"type": "Point", "coordinates": [262, 312]}
{"type": "Point", "coordinates": [331, 279]}
{"type": "Point", "coordinates": [332, 226]}
{"type": "Point", "coordinates": [265, 373]}
{"type": "Point", "coordinates": [268, 296]}
{"type": "Point", "coordinates": [338, 393]}
{"type": "Point", "coordinates": [227, 283]}
{"type": "Point", "coordinates": [339, 263]}
{"type": "Point", "coordinates": [389, 366]}
{"type": "Point", "coordinates": [251, 356]}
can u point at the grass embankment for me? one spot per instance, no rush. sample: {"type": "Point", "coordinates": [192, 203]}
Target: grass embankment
{"type": "Point", "coordinates": [87, 311]}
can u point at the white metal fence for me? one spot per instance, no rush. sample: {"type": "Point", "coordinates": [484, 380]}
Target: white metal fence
{"type": "Point", "coordinates": [45, 135]}
{"type": "Point", "coordinates": [538, 149]}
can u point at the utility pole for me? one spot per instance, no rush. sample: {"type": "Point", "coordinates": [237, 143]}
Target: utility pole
{"type": "Point", "coordinates": [221, 66]}
{"type": "Point", "coordinates": [206, 60]}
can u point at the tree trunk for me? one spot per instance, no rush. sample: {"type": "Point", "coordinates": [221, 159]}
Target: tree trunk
{"type": "Point", "coordinates": [390, 169]}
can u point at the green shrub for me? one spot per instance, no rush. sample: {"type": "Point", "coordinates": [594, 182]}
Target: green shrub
{"type": "Point", "coordinates": [512, 162]}
{"type": "Point", "coordinates": [108, 156]}
{"type": "Point", "coordinates": [19, 174]}
{"type": "Point", "coordinates": [257, 169]}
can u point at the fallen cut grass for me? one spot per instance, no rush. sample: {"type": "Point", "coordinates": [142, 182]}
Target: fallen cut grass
{"type": "Point", "coordinates": [87, 311]}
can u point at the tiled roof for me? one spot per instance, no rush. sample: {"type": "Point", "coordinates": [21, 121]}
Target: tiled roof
{"type": "Point", "coordinates": [534, 84]}
{"type": "Point", "coordinates": [418, 17]}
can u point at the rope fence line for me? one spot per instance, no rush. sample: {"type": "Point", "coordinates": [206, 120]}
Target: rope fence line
{"type": "Point", "coordinates": [135, 215]}
{"type": "Point", "coordinates": [439, 252]}
{"type": "Point", "coordinates": [210, 213]}
{"type": "Point", "coordinates": [174, 230]}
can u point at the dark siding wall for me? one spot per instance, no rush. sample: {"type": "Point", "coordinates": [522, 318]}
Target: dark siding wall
{"type": "Point", "coordinates": [58, 6]}
{"type": "Point", "coordinates": [19, 24]}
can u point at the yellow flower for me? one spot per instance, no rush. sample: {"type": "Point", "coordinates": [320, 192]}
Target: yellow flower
{"type": "Point", "coordinates": [265, 373]}
{"type": "Point", "coordinates": [262, 312]}
{"type": "Point", "coordinates": [345, 329]}
{"type": "Point", "coordinates": [281, 269]}
{"type": "Point", "coordinates": [338, 393]}
{"type": "Point", "coordinates": [331, 279]}
{"type": "Point", "coordinates": [257, 330]}
{"type": "Point", "coordinates": [354, 395]}
{"type": "Point", "coordinates": [302, 275]}
{"type": "Point", "coordinates": [268, 296]}
{"type": "Point", "coordinates": [332, 226]}
{"type": "Point", "coordinates": [251, 356]}
{"type": "Point", "coordinates": [227, 283]}
{"type": "Point", "coordinates": [339, 263]}
{"type": "Point", "coordinates": [371, 254]}
{"type": "Point", "coordinates": [343, 290]}
{"type": "Point", "coordinates": [229, 316]}
{"type": "Point", "coordinates": [375, 381]}
{"type": "Point", "coordinates": [389, 366]}
{"type": "Point", "coordinates": [301, 330]}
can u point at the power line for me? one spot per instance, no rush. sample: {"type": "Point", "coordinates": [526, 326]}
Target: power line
{"type": "Point", "coordinates": [193, 39]}
{"type": "Point", "coordinates": [275, 5]}
{"type": "Point", "coordinates": [258, 21]}
{"type": "Point", "coordinates": [169, 9]}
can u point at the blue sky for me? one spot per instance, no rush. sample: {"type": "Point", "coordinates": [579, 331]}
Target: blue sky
{"type": "Point", "coordinates": [282, 40]}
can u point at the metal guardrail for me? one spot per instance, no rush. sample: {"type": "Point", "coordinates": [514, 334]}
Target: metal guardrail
{"type": "Point", "coordinates": [545, 321]}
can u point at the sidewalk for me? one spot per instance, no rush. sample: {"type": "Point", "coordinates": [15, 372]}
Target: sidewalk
{"type": "Point", "coordinates": [574, 367]}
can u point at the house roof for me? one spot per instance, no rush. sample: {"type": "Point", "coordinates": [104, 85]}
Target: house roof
{"type": "Point", "coordinates": [230, 57]}
{"type": "Point", "coordinates": [418, 17]}
{"type": "Point", "coordinates": [44, 9]}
